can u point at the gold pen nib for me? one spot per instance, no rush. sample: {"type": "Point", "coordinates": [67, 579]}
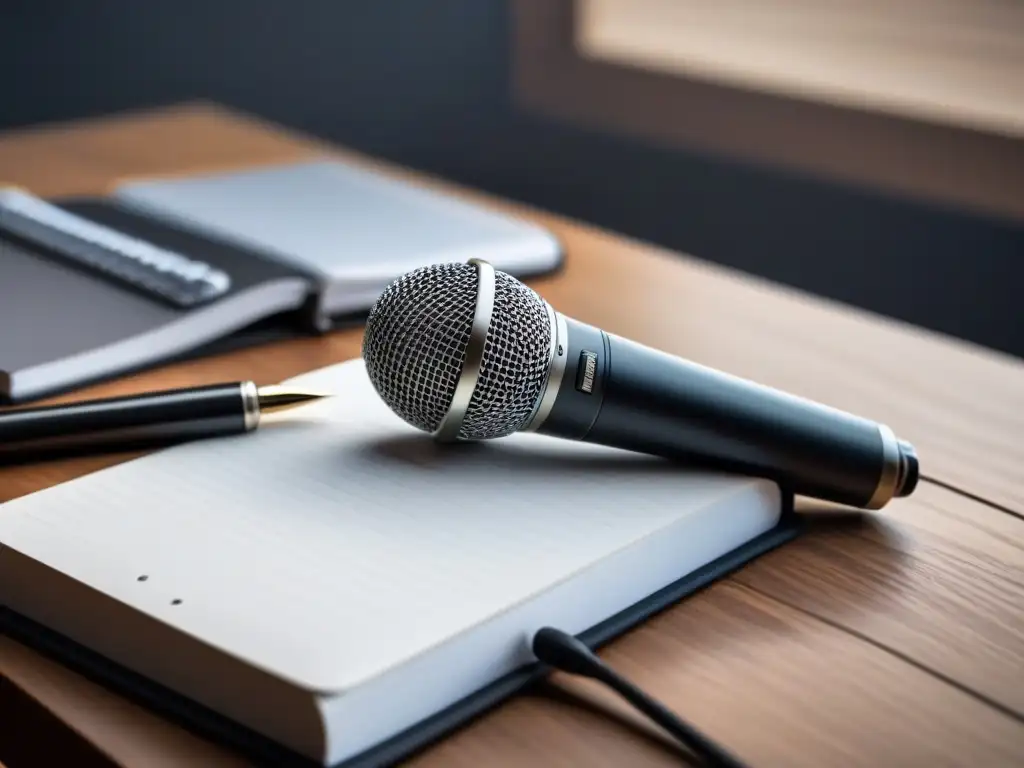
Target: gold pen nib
{"type": "Point", "coordinates": [274, 398]}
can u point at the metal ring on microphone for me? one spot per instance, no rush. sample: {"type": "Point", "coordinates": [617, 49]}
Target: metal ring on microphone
{"type": "Point", "coordinates": [556, 368]}
{"type": "Point", "coordinates": [890, 475]}
{"type": "Point", "coordinates": [448, 430]}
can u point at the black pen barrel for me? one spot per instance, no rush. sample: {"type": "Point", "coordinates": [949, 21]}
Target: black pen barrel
{"type": "Point", "coordinates": [127, 423]}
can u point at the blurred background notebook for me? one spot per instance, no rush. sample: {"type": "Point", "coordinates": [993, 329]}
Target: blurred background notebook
{"type": "Point", "coordinates": [169, 267]}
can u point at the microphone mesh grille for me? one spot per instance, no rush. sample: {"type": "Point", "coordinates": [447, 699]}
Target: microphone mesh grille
{"type": "Point", "coordinates": [415, 346]}
{"type": "Point", "coordinates": [415, 341]}
{"type": "Point", "coordinates": [516, 360]}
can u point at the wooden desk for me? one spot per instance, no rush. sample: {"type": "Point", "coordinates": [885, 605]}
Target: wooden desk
{"type": "Point", "coordinates": [894, 638]}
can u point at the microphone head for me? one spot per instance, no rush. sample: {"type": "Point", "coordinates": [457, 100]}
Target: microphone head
{"type": "Point", "coordinates": [443, 323]}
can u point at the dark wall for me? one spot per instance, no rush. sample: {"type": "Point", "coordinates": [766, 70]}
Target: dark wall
{"type": "Point", "coordinates": [400, 77]}
{"type": "Point", "coordinates": [426, 83]}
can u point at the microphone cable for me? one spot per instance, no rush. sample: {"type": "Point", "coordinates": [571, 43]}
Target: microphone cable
{"type": "Point", "coordinates": [566, 653]}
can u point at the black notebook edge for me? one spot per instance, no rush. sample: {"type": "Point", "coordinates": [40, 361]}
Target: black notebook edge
{"type": "Point", "coordinates": [209, 724]}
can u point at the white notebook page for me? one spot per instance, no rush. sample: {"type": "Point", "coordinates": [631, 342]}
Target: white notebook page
{"type": "Point", "coordinates": [350, 223]}
{"type": "Point", "coordinates": [339, 542]}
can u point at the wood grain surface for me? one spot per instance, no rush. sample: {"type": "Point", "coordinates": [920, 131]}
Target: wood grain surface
{"type": "Point", "coordinates": [889, 638]}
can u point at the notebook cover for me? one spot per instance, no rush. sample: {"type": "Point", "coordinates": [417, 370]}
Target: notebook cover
{"type": "Point", "coordinates": [77, 309]}
{"type": "Point", "coordinates": [356, 226]}
{"type": "Point", "coordinates": [263, 751]}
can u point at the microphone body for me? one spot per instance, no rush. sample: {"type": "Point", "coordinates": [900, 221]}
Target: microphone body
{"type": "Point", "coordinates": [468, 353]}
{"type": "Point", "coordinates": [619, 393]}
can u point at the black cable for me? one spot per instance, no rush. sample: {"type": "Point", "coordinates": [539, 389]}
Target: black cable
{"type": "Point", "coordinates": [973, 496]}
{"type": "Point", "coordinates": [562, 651]}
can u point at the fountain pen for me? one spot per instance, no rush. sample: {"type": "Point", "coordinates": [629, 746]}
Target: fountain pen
{"type": "Point", "coordinates": [142, 421]}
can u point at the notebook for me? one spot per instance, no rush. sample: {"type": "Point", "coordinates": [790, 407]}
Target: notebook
{"type": "Point", "coordinates": [162, 268]}
{"type": "Point", "coordinates": [338, 589]}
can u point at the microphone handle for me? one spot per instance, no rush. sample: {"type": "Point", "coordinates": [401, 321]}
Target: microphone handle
{"type": "Point", "coordinates": [619, 393]}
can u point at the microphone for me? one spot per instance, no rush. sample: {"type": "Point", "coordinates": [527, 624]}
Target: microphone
{"type": "Point", "coordinates": [467, 352]}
